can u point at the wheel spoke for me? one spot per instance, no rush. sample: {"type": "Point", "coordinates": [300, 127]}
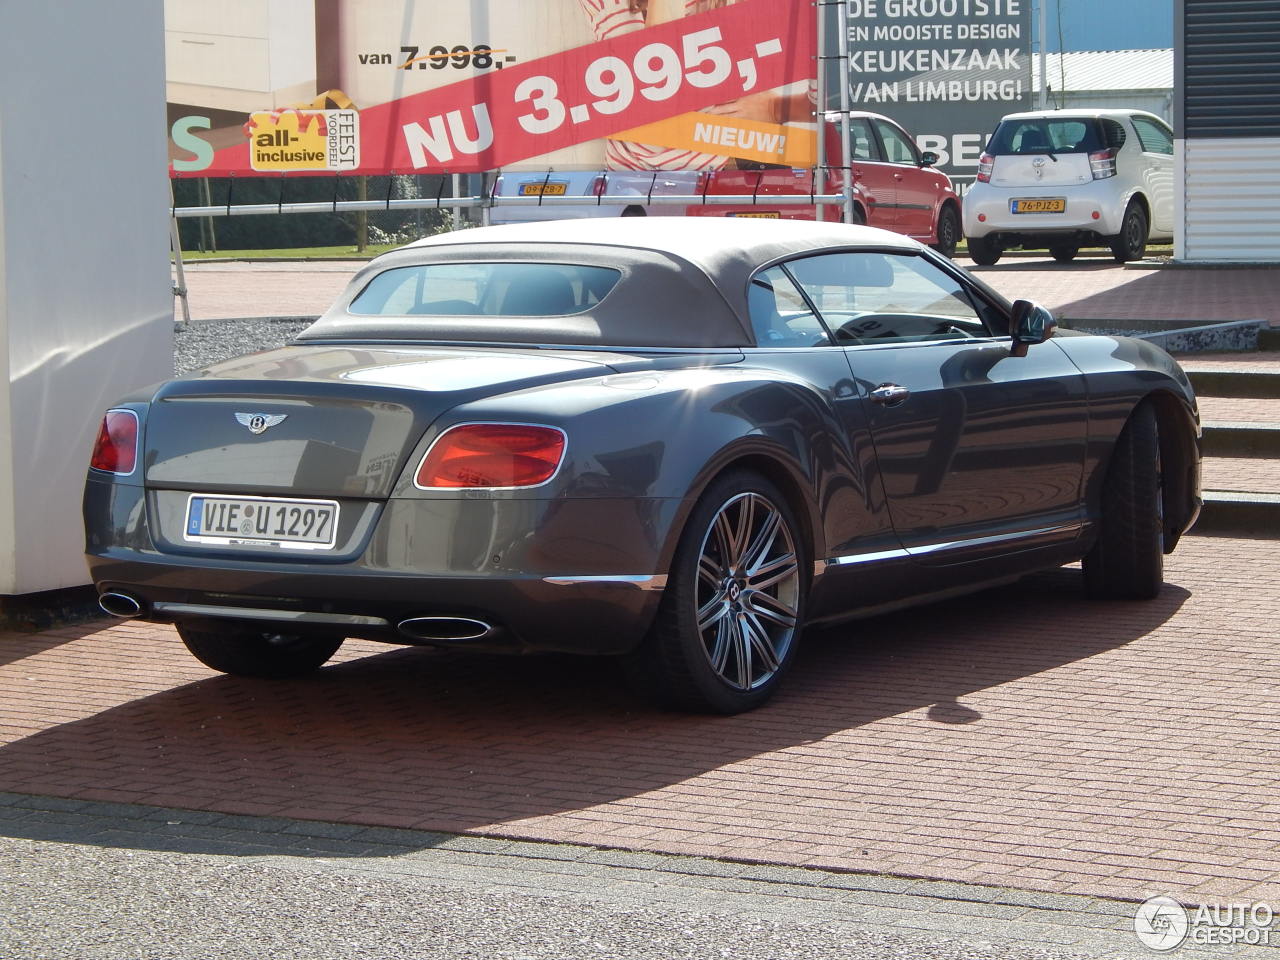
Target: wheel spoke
{"type": "Point", "coordinates": [744, 653]}
{"type": "Point", "coordinates": [774, 572]}
{"type": "Point", "coordinates": [712, 611]}
{"type": "Point", "coordinates": [760, 642]}
{"type": "Point", "coordinates": [710, 571]}
{"type": "Point", "coordinates": [719, 655]}
{"type": "Point", "coordinates": [740, 532]}
{"type": "Point", "coordinates": [754, 555]}
{"type": "Point", "coordinates": [772, 609]}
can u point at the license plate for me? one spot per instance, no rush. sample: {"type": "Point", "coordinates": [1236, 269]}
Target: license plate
{"type": "Point", "coordinates": [542, 189]}
{"type": "Point", "coordinates": [1039, 205]}
{"type": "Point", "coordinates": [262, 522]}
{"type": "Point", "coordinates": [763, 215]}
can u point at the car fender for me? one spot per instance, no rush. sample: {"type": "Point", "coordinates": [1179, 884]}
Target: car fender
{"type": "Point", "coordinates": [1121, 373]}
{"type": "Point", "coordinates": [666, 435]}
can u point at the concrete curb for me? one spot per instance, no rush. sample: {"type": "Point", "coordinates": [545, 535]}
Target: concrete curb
{"type": "Point", "coordinates": [1241, 438]}
{"type": "Point", "coordinates": [970, 913]}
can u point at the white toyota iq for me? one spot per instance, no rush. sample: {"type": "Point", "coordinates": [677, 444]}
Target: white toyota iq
{"type": "Point", "coordinates": [1068, 179]}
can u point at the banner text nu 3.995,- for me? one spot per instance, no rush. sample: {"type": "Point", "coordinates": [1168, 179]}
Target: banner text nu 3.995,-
{"type": "Point", "coordinates": [495, 118]}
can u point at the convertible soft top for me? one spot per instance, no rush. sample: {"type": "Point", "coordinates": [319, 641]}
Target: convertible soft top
{"type": "Point", "coordinates": [683, 283]}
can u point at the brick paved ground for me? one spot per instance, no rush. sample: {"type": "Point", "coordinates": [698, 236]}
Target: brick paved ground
{"type": "Point", "coordinates": [1266, 362]}
{"type": "Point", "coordinates": [220, 291]}
{"type": "Point", "coordinates": [1025, 738]}
{"type": "Point", "coordinates": [1241, 409]}
{"type": "Point", "coordinates": [1241, 475]}
{"type": "Point", "coordinates": [1099, 289]}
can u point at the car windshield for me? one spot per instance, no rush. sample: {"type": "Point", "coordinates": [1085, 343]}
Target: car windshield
{"type": "Point", "coordinates": [485, 290]}
{"type": "Point", "coordinates": [1046, 135]}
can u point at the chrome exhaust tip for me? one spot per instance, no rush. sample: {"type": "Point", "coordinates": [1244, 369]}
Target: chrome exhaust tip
{"type": "Point", "coordinates": [444, 629]}
{"type": "Point", "coordinates": [119, 605]}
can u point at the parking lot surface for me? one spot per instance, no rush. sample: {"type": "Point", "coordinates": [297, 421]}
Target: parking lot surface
{"type": "Point", "coordinates": [1089, 288]}
{"type": "Point", "coordinates": [1023, 737]}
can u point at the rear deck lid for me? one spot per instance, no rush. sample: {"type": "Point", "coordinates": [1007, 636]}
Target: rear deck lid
{"type": "Point", "coordinates": [327, 421]}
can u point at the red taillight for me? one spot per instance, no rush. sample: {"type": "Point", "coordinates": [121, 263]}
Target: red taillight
{"type": "Point", "coordinates": [492, 455]}
{"type": "Point", "coordinates": [986, 163]}
{"type": "Point", "coordinates": [116, 450]}
{"type": "Point", "coordinates": [598, 186]}
{"type": "Point", "coordinates": [1103, 164]}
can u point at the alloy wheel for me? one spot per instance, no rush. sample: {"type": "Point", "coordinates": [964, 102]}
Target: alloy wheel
{"type": "Point", "coordinates": [748, 591]}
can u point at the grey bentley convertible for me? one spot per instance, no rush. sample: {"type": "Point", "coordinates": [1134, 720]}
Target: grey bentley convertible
{"type": "Point", "coordinates": [675, 441]}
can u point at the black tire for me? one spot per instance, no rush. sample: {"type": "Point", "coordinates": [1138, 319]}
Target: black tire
{"type": "Point", "coordinates": [859, 216]}
{"type": "Point", "coordinates": [948, 232]}
{"type": "Point", "coordinates": [1064, 252]}
{"type": "Point", "coordinates": [247, 651]}
{"type": "Point", "coordinates": [1127, 561]}
{"type": "Point", "coordinates": [1131, 242]}
{"type": "Point", "coordinates": [736, 656]}
{"type": "Point", "coordinates": [633, 211]}
{"type": "Point", "coordinates": [983, 251]}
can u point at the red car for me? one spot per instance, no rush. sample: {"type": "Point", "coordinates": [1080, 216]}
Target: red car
{"type": "Point", "coordinates": [894, 185]}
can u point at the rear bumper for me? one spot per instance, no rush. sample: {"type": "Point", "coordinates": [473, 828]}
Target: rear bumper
{"type": "Point", "coordinates": [579, 576]}
{"type": "Point", "coordinates": [608, 615]}
{"type": "Point", "coordinates": [1082, 202]}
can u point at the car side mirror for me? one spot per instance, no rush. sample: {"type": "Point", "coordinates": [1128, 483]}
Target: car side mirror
{"type": "Point", "coordinates": [928, 158]}
{"type": "Point", "coordinates": [1029, 324]}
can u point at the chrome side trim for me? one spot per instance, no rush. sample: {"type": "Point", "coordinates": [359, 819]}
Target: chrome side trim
{"type": "Point", "coordinates": [641, 581]}
{"type": "Point", "coordinates": [853, 558]}
{"type": "Point", "coordinates": [903, 552]}
{"type": "Point", "coordinates": [260, 613]}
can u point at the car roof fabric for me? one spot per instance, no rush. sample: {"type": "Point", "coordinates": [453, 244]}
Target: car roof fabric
{"type": "Point", "coordinates": [684, 281]}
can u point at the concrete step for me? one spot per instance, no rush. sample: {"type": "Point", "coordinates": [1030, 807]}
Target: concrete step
{"type": "Point", "coordinates": [1254, 384]}
{"type": "Point", "coordinates": [1241, 438]}
{"type": "Point", "coordinates": [1240, 514]}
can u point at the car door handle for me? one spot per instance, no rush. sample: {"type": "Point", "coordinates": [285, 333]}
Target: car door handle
{"type": "Point", "coordinates": [890, 394]}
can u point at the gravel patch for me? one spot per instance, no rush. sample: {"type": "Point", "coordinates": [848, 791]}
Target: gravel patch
{"type": "Point", "coordinates": [203, 344]}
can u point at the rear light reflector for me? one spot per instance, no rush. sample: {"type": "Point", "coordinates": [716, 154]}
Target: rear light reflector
{"type": "Point", "coordinates": [1103, 164]}
{"type": "Point", "coordinates": [986, 163]}
{"type": "Point", "coordinates": [491, 455]}
{"type": "Point", "coordinates": [116, 449]}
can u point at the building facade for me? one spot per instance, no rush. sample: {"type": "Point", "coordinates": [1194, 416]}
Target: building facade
{"type": "Point", "coordinates": [1227, 129]}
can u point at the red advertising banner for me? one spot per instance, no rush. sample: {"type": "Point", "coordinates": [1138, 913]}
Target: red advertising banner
{"type": "Point", "coordinates": [717, 79]}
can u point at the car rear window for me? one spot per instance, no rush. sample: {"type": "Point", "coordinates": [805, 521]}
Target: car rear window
{"type": "Point", "coordinates": [485, 290]}
{"type": "Point", "coordinates": [1055, 135]}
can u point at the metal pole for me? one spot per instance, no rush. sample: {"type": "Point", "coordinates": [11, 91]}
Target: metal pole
{"type": "Point", "coordinates": [1044, 73]}
{"type": "Point", "coordinates": [846, 139]}
{"type": "Point", "coordinates": [820, 95]}
{"type": "Point", "coordinates": [180, 288]}
{"type": "Point", "coordinates": [484, 203]}
{"type": "Point", "coordinates": [175, 245]}
{"type": "Point", "coordinates": [208, 202]}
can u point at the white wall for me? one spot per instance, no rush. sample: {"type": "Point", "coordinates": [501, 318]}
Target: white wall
{"type": "Point", "coordinates": [1231, 200]}
{"type": "Point", "coordinates": [86, 308]}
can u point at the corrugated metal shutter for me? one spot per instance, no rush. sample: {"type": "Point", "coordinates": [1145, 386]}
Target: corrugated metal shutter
{"type": "Point", "coordinates": [1232, 200]}
{"type": "Point", "coordinates": [1231, 68]}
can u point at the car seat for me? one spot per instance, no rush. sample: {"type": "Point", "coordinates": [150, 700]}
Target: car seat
{"type": "Point", "coordinates": [539, 292]}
